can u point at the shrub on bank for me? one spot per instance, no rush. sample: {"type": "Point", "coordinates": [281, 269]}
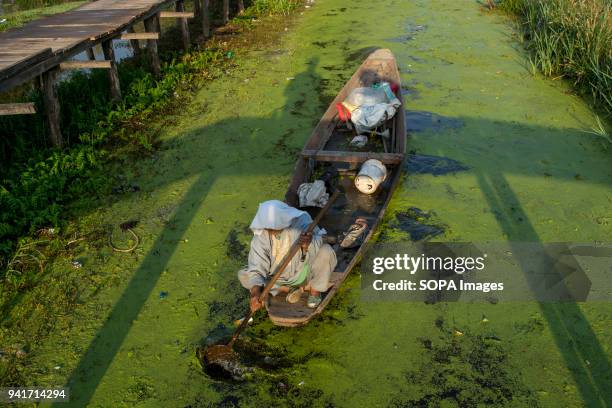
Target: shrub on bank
{"type": "Point", "coordinates": [38, 184]}
{"type": "Point", "coordinates": [570, 39]}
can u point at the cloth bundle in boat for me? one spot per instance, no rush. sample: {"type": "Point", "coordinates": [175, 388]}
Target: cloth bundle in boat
{"type": "Point", "coordinates": [313, 194]}
{"type": "Point", "coordinates": [371, 106]}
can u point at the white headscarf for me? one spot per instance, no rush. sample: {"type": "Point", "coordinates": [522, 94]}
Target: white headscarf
{"type": "Point", "coordinates": [274, 215]}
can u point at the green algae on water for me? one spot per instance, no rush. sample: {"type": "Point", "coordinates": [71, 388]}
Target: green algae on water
{"type": "Point", "coordinates": [477, 107]}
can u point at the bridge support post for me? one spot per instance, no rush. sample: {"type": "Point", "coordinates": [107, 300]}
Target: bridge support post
{"type": "Point", "coordinates": [52, 106]}
{"type": "Point", "coordinates": [205, 18]}
{"type": "Point", "coordinates": [151, 26]}
{"type": "Point", "coordinates": [183, 26]}
{"type": "Point", "coordinates": [90, 54]}
{"type": "Point", "coordinates": [225, 11]}
{"type": "Point", "coordinates": [113, 75]}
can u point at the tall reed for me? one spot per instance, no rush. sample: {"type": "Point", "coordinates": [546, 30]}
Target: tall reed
{"type": "Point", "coordinates": [570, 39]}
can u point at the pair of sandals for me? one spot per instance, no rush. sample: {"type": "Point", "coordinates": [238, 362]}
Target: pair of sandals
{"type": "Point", "coordinates": [295, 295]}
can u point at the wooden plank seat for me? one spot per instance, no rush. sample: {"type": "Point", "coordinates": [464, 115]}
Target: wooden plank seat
{"type": "Point", "coordinates": [352, 157]}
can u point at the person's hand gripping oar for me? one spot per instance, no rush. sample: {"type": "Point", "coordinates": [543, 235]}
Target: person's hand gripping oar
{"type": "Point", "coordinates": [222, 355]}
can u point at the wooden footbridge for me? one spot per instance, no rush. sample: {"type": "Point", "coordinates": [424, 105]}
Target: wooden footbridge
{"type": "Point", "coordinates": [42, 48]}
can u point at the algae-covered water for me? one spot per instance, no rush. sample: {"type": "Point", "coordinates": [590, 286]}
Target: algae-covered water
{"type": "Point", "coordinates": [496, 155]}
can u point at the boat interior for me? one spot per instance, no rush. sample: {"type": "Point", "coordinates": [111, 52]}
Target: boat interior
{"type": "Point", "coordinates": [329, 155]}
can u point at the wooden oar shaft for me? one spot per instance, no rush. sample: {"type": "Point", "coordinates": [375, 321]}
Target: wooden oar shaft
{"type": "Point", "coordinates": [281, 267]}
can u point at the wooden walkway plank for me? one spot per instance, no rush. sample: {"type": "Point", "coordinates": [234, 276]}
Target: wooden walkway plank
{"type": "Point", "coordinates": [104, 64]}
{"type": "Point", "coordinates": [17, 108]}
{"type": "Point", "coordinates": [176, 14]}
{"type": "Point", "coordinates": [139, 36]}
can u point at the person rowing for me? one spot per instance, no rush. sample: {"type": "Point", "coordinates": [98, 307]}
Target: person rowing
{"type": "Point", "coordinates": [276, 226]}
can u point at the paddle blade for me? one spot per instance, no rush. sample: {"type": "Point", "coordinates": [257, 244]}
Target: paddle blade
{"type": "Point", "coordinates": [220, 361]}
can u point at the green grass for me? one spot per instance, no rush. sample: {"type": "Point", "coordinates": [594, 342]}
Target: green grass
{"type": "Point", "coordinates": [570, 39]}
{"type": "Point", "coordinates": [19, 18]}
{"type": "Point", "coordinates": [270, 7]}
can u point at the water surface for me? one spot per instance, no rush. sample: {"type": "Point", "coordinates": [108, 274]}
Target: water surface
{"type": "Point", "coordinates": [516, 166]}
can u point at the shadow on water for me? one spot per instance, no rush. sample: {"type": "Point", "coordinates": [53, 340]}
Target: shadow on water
{"type": "Point", "coordinates": [530, 151]}
{"type": "Point", "coordinates": [435, 165]}
{"type": "Point", "coordinates": [96, 360]}
{"type": "Point", "coordinates": [572, 332]}
{"type": "Point", "coordinates": [419, 121]}
{"type": "Point", "coordinates": [583, 354]}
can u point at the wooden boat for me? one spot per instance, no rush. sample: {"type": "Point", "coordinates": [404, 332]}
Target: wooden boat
{"type": "Point", "coordinates": [328, 148]}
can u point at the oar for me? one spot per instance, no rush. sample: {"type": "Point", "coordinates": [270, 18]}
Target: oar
{"type": "Point", "coordinates": [222, 354]}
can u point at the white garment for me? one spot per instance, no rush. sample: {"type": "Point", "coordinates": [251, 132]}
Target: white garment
{"type": "Point", "coordinates": [274, 214]}
{"type": "Point", "coordinates": [313, 194]}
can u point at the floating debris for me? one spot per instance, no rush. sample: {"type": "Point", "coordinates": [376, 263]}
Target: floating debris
{"type": "Point", "coordinates": [15, 351]}
{"type": "Point", "coordinates": [46, 232]}
{"type": "Point", "coordinates": [411, 31]}
{"type": "Point", "coordinates": [126, 188]}
{"type": "Point", "coordinates": [128, 225]}
{"type": "Point", "coordinates": [239, 321]}
{"type": "Point", "coordinates": [163, 294]}
{"type": "Point", "coordinates": [127, 229]}
{"type": "Point", "coordinates": [492, 300]}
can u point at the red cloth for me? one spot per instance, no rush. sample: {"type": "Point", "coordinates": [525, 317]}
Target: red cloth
{"type": "Point", "coordinates": [343, 113]}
